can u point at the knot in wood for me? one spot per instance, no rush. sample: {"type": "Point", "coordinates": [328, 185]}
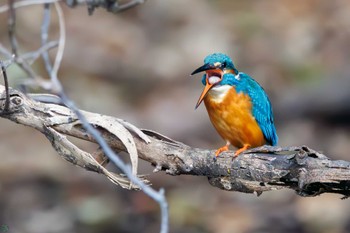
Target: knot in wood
{"type": "Point", "coordinates": [17, 101]}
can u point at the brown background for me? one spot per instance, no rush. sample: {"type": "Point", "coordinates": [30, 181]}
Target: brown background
{"type": "Point", "coordinates": [136, 66]}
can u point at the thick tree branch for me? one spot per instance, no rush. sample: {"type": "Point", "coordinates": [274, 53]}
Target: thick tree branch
{"type": "Point", "coordinates": [304, 170]}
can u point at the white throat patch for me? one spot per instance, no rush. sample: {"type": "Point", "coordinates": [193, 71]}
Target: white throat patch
{"type": "Point", "coordinates": [218, 92]}
{"type": "Point", "coordinates": [214, 79]}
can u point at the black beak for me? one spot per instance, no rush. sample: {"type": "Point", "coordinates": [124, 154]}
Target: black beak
{"type": "Point", "coordinates": [204, 68]}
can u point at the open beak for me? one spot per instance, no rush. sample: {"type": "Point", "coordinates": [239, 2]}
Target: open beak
{"type": "Point", "coordinates": [208, 86]}
{"type": "Point", "coordinates": [204, 67]}
{"type": "Point", "coordinates": [205, 91]}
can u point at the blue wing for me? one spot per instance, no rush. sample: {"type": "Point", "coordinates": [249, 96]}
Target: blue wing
{"type": "Point", "coordinates": [262, 109]}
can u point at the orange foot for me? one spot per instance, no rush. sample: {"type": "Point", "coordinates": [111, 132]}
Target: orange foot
{"type": "Point", "coordinates": [220, 150]}
{"type": "Point", "coordinates": [239, 151]}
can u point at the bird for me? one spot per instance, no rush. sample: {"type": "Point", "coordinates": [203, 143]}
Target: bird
{"type": "Point", "coordinates": [238, 107]}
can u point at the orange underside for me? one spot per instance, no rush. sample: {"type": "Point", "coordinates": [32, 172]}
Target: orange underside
{"type": "Point", "coordinates": [232, 118]}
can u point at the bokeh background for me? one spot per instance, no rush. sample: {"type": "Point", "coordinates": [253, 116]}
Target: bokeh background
{"type": "Point", "coordinates": [136, 66]}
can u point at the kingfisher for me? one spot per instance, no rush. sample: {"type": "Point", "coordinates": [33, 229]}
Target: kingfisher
{"type": "Point", "coordinates": [237, 105]}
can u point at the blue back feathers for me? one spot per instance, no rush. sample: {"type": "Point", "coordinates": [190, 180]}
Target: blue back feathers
{"type": "Point", "coordinates": [262, 109]}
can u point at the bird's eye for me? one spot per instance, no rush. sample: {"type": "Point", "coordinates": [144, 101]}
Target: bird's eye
{"type": "Point", "coordinates": [223, 65]}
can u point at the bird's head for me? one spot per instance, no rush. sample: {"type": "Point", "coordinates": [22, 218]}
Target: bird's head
{"type": "Point", "coordinates": [217, 67]}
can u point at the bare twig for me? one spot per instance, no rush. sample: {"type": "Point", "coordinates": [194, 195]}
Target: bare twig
{"type": "Point", "coordinates": [157, 196]}
{"type": "Point", "coordinates": [112, 6]}
{"type": "Point", "coordinates": [11, 23]}
{"type": "Point", "coordinates": [61, 44]}
{"type": "Point", "coordinates": [45, 34]}
{"type": "Point", "coordinates": [59, 142]}
{"type": "Point", "coordinates": [119, 8]}
{"type": "Point", "coordinates": [29, 57]}
{"type": "Point", "coordinates": [7, 95]}
{"type": "Point", "coordinates": [56, 87]}
{"type": "Point", "coordinates": [32, 56]}
{"type": "Point", "coordinates": [5, 51]}
{"type": "Point", "coordinates": [24, 3]}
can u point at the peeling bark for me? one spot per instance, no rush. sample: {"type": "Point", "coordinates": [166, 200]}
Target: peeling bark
{"type": "Point", "coordinates": [266, 168]}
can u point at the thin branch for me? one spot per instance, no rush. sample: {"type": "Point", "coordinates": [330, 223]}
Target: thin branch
{"type": "Point", "coordinates": [159, 196]}
{"type": "Point", "coordinates": [25, 3]}
{"type": "Point", "coordinates": [45, 35]}
{"type": "Point", "coordinates": [92, 4]}
{"type": "Point", "coordinates": [24, 61]}
{"type": "Point", "coordinates": [119, 8]}
{"type": "Point", "coordinates": [57, 88]}
{"type": "Point", "coordinates": [59, 142]}
{"type": "Point", "coordinates": [7, 95]}
{"type": "Point", "coordinates": [61, 44]}
{"type": "Point", "coordinates": [18, 59]}
{"type": "Point", "coordinates": [32, 56]}
{"type": "Point", "coordinates": [112, 6]}
{"type": "Point", "coordinates": [29, 57]}
{"type": "Point", "coordinates": [11, 24]}
{"type": "Point", "coordinates": [5, 51]}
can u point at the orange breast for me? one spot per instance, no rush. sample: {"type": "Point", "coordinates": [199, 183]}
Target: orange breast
{"type": "Point", "coordinates": [231, 115]}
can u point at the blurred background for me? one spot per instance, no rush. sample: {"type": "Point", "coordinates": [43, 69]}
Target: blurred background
{"type": "Point", "coordinates": [136, 66]}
